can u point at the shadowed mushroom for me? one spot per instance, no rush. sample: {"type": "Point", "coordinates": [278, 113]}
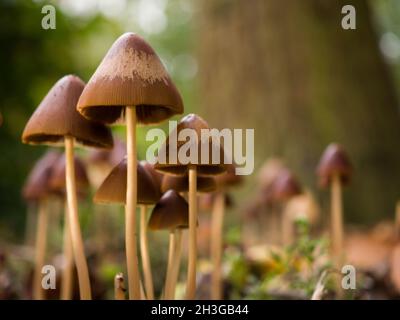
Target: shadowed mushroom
{"type": "Point", "coordinates": [171, 213]}
{"type": "Point", "coordinates": [113, 190]}
{"type": "Point", "coordinates": [130, 83]}
{"type": "Point", "coordinates": [284, 188]}
{"type": "Point", "coordinates": [58, 186]}
{"type": "Point", "coordinates": [56, 122]}
{"type": "Point", "coordinates": [169, 162]}
{"type": "Point", "coordinates": [224, 182]}
{"type": "Point", "coordinates": [37, 190]}
{"type": "Point", "coordinates": [334, 169]}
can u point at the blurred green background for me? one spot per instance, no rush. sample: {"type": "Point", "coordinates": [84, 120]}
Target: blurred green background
{"type": "Point", "coordinates": [214, 52]}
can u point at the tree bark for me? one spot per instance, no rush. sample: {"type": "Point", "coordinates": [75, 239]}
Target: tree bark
{"type": "Point", "coordinates": [289, 70]}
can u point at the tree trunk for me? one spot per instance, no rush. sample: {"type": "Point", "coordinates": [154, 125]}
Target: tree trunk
{"type": "Point", "coordinates": [289, 70]}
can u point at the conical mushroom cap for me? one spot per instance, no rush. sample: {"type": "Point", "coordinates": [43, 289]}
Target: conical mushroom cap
{"type": "Point", "coordinates": [57, 179]}
{"type": "Point", "coordinates": [131, 74]}
{"type": "Point", "coordinates": [170, 212]}
{"type": "Point", "coordinates": [285, 186]}
{"type": "Point", "coordinates": [37, 185]}
{"type": "Point", "coordinates": [113, 188]}
{"type": "Point", "coordinates": [109, 157]}
{"type": "Point", "coordinates": [181, 183]}
{"type": "Point", "coordinates": [334, 161]}
{"type": "Point", "coordinates": [195, 123]}
{"type": "Point", "coordinates": [56, 117]}
{"type": "Point", "coordinates": [157, 176]}
{"type": "Point", "coordinates": [229, 178]}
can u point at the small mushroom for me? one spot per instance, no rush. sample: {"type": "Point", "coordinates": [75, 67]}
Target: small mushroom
{"type": "Point", "coordinates": [130, 83]}
{"type": "Point", "coordinates": [175, 167]}
{"type": "Point", "coordinates": [37, 190]}
{"type": "Point", "coordinates": [284, 188]}
{"type": "Point", "coordinates": [334, 170]}
{"type": "Point", "coordinates": [171, 213]}
{"type": "Point", "coordinates": [224, 182]}
{"type": "Point", "coordinates": [113, 190]}
{"type": "Point", "coordinates": [57, 185]}
{"type": "Point", "coordinates": [56, 122]}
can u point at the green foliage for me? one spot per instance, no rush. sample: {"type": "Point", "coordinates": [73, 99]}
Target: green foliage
{"type": "Point", "coordinates": [289, 273]}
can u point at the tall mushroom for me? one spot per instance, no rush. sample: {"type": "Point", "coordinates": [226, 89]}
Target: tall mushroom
{"type": "Point", "coordinates": [171, 213]}
{"type": "Point", "coordinates": [334, 170]}
{"type": "Point", "coordinates": [56, 122]}
{"type": "Point", "coordinates": [130, 83]}
{"type": "Point", "coordinates": [169, 164]}
{"type": "Point", "coordinates": [113, 190]}
{"type": "Point", "coordinates": [58, 184]}
{"type": "Point", "coordinates": [224, 181]}
{"type": "Point", "coordinates": [284, 188]}
{"type": "Point", "coordinates": [36, 190]}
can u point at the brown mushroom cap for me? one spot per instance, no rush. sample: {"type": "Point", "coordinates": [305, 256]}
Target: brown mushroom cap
{"type": "Point", "coordinates": [285, 186]}
{"type": "Point", "coordinates": [57, 179]}
{"type": "Point", "coordinates": [37, 185]}
{"type": "Point", "coordinates": [109, 157]}
{"type": "Point", "coordinates": [229, 178]}
{"type": "Point", "coordinates": [157, 176]}
{"type": "Point", "coordinates": [56, 117]}
{"type": "Point", "coordinates": [170, 212]}
{"type": "Point", "coordinates": [195, 123]}
{"type": "Point", "coordinates": [181, 183]}
{"type": "Point", "coordinates": [113, 188]}
{"type": "Point", "coordinates": [131, 74]}
{"type": "Point", "coordinates": [334, 161]}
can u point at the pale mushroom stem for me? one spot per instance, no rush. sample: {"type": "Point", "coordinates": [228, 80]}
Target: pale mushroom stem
{"type": "Point", "coordinates": [30, 225]}
{"type": "Point", "coordinates": [287, 226]}
{"type": "Point", "coordinates": [217, 245]}
{"type": "Point", "coordinates": [119, 287]}
{"type": "Point", "coordinates": [76, 235]}
{"type": "Point", "coordinates": [192, 256]}
{"type": "Point", "coordinates": [68, 264]}
{"type": "Point", "coordinates": [171, 254]}
{"type": "Point", "coordinates": [130, 208]}
{"type": "Point", "coordinates": [41, 239]}
{"type": "Point", "coordinates": [144, 248]}
{"type": "Point", "coordinates": [337, 220]}
{"type": "Point", "coordinates": [176, 263]}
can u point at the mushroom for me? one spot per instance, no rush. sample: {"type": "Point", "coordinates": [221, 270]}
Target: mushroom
{"type": "Point", "coordinates": [284, 188]}
{"type": "Point", "coordinates": [113, 190]}
{"type": "Point", "coordinates": [57, 186]}
{"type": "Point", "coordinates": [335, 169]}
{"type": "Point", "coordinates": [171, 213]}
{"type": "Point", "coordinates": [130, 83]}
{"type": "Point", "coordinates": [119, 287]}
{"type": "Point", "coordinates": [56, 122]}
{"type": "Point", "coordinates": [224, 181]}
{"type": "Point", "coordinates": [269, 214]}
{"type": "Point", "coordinates": [36, 190]}
{"type": "Point", "coordinates": [176, 167]}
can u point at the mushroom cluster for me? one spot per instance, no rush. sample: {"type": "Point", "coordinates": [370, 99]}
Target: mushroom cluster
{"type": "Point", "coordinates": [130, 86]}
